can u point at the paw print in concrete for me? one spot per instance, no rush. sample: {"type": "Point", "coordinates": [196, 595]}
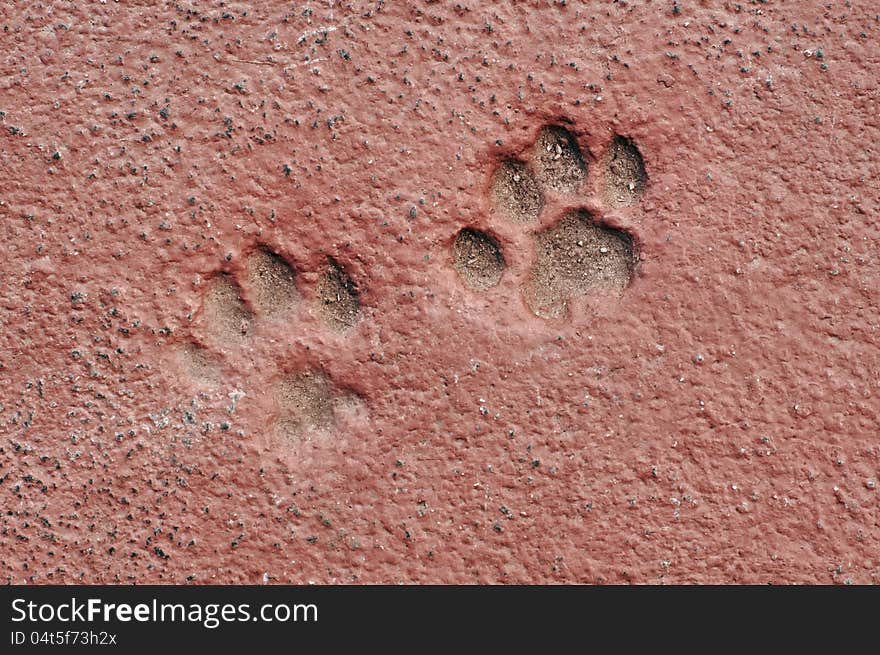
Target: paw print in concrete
{"type": "Point", "coordinates": [262, 296]}
{"type": "Point", "coordinates": [568, 195]}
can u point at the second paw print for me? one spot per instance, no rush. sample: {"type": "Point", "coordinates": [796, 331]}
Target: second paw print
{"type": "Point", "coordinates": [563, 196]}
{"type": "Point", "coordinates": [260, 300]}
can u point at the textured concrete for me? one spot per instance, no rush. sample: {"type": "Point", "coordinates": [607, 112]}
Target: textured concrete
{"type": "Point", "coordinates": [237, 346]}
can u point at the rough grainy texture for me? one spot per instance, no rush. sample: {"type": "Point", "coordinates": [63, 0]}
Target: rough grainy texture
{"type": "Point", "coordinates": [201, 364]}
{"type": "Point", "coordinates": [226, 318]}
{"type": "Point", "coordinates": [625, 175]}
{"type": "Point", "coordinates": [516, 192]}
{"type": "Point", "coordinates": [273, 282]}
{"type": "Point", "coordinates": [305, 403]}
{"type": "Point", "coordinates": [477, 258]}
{"type": "Point", "coordinates": [338, 297]}
{"type": "Point", "coordinates": [577, 256]}
{"type": "Point", "coordinates": [716, 423]}
{"type": "Point", "coordinates": [558, 160]}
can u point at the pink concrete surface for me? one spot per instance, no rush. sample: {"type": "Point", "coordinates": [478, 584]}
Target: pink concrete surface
{"type": "Point", "coordinates": [716, 422]}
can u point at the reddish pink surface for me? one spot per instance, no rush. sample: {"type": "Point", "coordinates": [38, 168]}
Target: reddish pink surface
{"type": "Point", "coordinates": [718, 423]}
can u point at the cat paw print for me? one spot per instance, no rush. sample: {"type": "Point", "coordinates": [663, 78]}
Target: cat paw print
{"type": "Point", "coordinates": [565, 199]}
{"type": "Point", "coordinates": [264, 298]}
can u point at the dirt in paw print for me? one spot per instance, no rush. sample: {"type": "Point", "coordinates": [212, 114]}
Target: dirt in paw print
{"type": "Point", "coordinates": [625, 177]}
{"type": "Point", "coordinates": [227, 318]}
{"type": "Point", "coordinates": [272, 281]}
{"type": "Point", "coordinates": [576, 256]}
{"type": "Point", "coordinates": [567, 199]}
{"type": "Point", "coordinates": [309, 405]}
{"type": "Point", "coordinates": [558, 161]}
{"type": "Point", "coordinates": [477, 258]}
{"type": "Point", "coordinates": [338, 296]}
{"type": "Point", "coordinates": [516, 192]}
